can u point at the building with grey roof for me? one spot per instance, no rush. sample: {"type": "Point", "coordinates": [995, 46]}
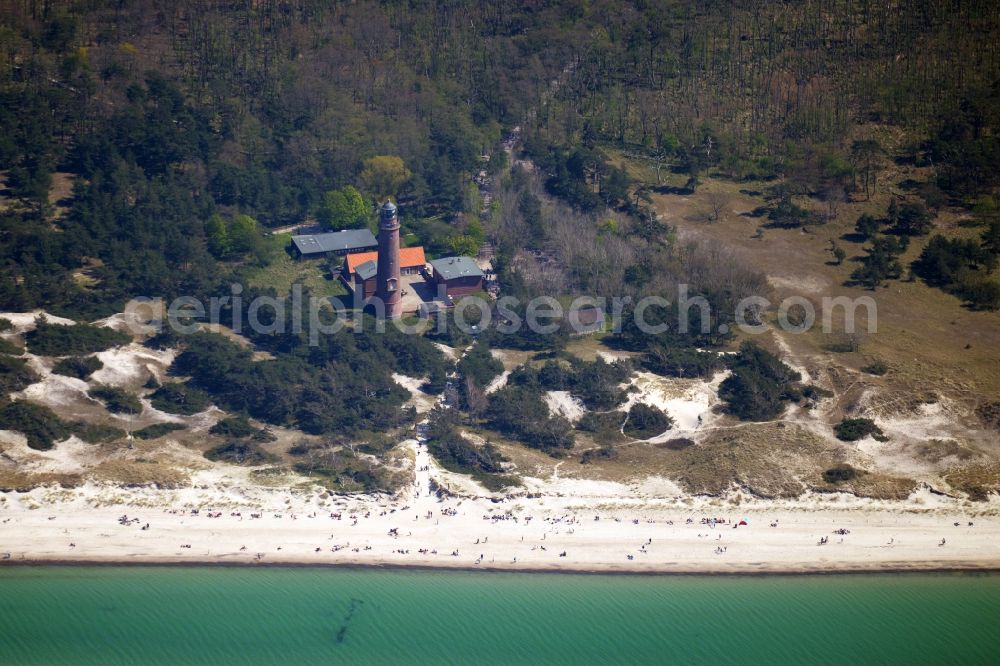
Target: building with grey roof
{"type": "Point", "coordinates": [334, 243]}
{"type": "Point", "coordinates": [459, 275]}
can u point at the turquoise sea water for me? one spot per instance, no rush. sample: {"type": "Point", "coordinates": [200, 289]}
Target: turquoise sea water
{"type": "Point", "coordinates": [140, 615]}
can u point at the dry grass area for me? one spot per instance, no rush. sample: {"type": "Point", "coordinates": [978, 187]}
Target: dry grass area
{"type": "Point", "coordinates": [939, 450]}
{"type": "Point", "coordinates": [590, 347]}
{"type": "Point", "coordinates": [875, 485]}
{"type": "Point", "coordinates": [514, 358]}
{"type": "Point", "coordinates": [978, 481]}
{"type": "Point", "coordinates": [112, 464]}
{"type": "Point", "coordinates": [768, 460]}
{"type": "Point", "coordinates": [925, 335]}
{"type": "Point", "coordinates": [61, 193]}
{"type": "Point", "coordinates": [12, 480]}
{"type": "Point", "coordinates": [140, 472]}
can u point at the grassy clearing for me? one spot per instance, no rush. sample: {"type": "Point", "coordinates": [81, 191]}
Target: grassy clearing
{"type": "Point", "coordinates": [589, 347]}
{"type": "Point", "coordinates": [284, 271]}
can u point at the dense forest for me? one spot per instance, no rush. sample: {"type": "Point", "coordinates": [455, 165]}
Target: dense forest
{"type": "Point", "coordinates": [172, 116]}
{"type": "Point", "coordinates": [178, 121]}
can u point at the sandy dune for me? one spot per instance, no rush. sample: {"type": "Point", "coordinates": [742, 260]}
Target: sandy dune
{"type": "Point", "coordinates": [226, 515]}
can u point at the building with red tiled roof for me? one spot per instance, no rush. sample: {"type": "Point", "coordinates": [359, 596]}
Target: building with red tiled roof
{"type": "Point", "coordinates": [411, 260]}
{"type": "Point", "coordinates": [361, 269]}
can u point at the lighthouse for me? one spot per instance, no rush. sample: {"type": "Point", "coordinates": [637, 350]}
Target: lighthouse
{"type": "Point", "coordinates": [387, 285]}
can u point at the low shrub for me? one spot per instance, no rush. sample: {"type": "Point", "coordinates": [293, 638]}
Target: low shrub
{"type": "Point", "coordinates": [840, 473]}
{"type": "Point", "coordinates": [759, 385]}
{"type": "Point", "coordinates": [180, 399]}
{"type": "Point", "coordinates": [158, 430]}
{"type": "Point", "coordinates": [65, 340]}
{"type": "Point", "coordinates": [680, 362]}
{"type": "Point", "coordinates": [301, 448]}
{"type": "Point", "coordinates": [239, 427]}
{"type": "Point", "coordinates": [457, 454]}
{"type": "Point", "coordinates": [116, 400]}
{"type": "Point", "coordinates": [375, 443]}
{"type": "Point", "coordinates": [519, 412]}
{"type": "Point", "coordinates": [877, 367]}
{"type": "Point", "coordinates": [240, 453]}
{"type": "Point", "coordinates": [605, 452]}
{"type": "Point", "coordinates": [989, 414]}
{"type": "Point", "coordinates": [840, 345]}
{"type": "Point", "coordinates": [342, 471]}
{"type": "Point", "coordinates": [80, 367]}
{"type": "Point", "coordinates": [479, 365]}
{"type": "Point", "coordinates": [814, 392]}
{"type": "Point", "coordinates": [497, 482]}
{"type": "Point", "coordinates": [677, 443]}
{"type": "Point", "coordinates": [8, 347]}
{"type": "Point", "coordinates": [43, 428]}
{"type": "Point", "coordinates": [37, 423]}
{"type": "Point", "coordinates": [851, 430]}
{"type": "Point", "coordinates": [15, 375]}
{"type": "Point", "coordinates": [645, 421]}
{"type": "Point", "coordinates": [604, 426]}
{"type": "Point", "coordinates": [96, 434]}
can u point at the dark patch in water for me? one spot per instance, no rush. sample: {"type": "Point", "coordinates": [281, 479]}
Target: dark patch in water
{"type": "Point", "coordinates": [351, 610]}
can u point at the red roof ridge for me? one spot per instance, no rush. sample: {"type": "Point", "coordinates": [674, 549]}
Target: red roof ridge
{"type": "Point", "coordinates": [409, 257]}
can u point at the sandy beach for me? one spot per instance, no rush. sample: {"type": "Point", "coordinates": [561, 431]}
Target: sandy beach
{"type": "Point", "coordinates": [564, 525]}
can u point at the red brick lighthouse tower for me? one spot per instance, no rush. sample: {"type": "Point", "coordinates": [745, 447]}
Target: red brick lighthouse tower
{"type": "Point", "coordinates": [387, 283]}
